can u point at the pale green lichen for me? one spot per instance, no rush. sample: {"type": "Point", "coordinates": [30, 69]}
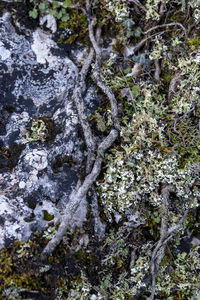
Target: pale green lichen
{"type": "Point", "coordinates": [134, 175]}
{"type": "Point", "coordinates": [183, 277]}
{"type": "Point", "coordinates": [38, 131]}
{"type": "Point", "coordinates": [153, 8]}
{"type": "Point", "coordinates": [50, 232]}
{"type": "Point", "coordinates": [118, 8]}
{"type": "Point", "coordinates": [187, 94]}
{"type": "Point", "coordinates": [80, 289]}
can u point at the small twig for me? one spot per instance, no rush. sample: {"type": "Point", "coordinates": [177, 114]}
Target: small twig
{"type": "Point", "coordinates": [158, 252]}
{"type": "Point", "coordinates": [172, 229]}
{"type": "Point", "coordinates": [166, 25]}
{"type": "Point", "coordinates": [132, 262]}
{"type": "Point", "coordinates": [132, 49]}
{"type": "Point", "coordinates": [169, 235]}
{"type": "Point", "coordinates": [77, 196]}
{"type": "Point", "coordinates": [166, 237]}
{"type": "Point", "coordinates": [162, 8]}
{"type": "Point", "coordinates": [21, 290]}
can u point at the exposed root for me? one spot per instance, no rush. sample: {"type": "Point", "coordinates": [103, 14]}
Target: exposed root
{"type": "Point", "coordinates": [97, 74]}
{"type": "Point", "coordinates": [77, 196]}
{"type": "Point", "coordinates": [93, 163]}
{"type": "Point", "coordinates": [165, 235]}
{"type": "Point", "coordinates": [167, 25]}
{"type": "Point", "coordinates": [79, 90]}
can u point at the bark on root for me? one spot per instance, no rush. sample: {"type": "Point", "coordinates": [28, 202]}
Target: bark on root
{"type": "Point", "coordinates": [95, 154]}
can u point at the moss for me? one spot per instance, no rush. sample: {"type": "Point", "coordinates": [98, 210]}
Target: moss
{"type": "Point", "coordinates": [77, 25]}
{"type": "Point", "coordinates": [166, 78]}
{"type": "Point", "coordinates": [195, 42]}
{"type": "Point", "coordinates": [47, 216]}
{"type": "Point", "coordinates": [14, 268]}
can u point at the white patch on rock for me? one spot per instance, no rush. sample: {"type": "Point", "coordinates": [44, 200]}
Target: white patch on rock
{"type": "Point", "coordinates": [51, 22]}
{"type": "Point", "coordinates": [37, 159]}
{"type": "Point", "coordinates": [22, 185]}
{"type": "Point", "coordinates": [41, 46]}
{"type": "Point", "coordinates": [10, 211]}
{"type": "Point", "coordinates": [4, 206]}
{"type": "Point", "coordinates": [4, 53]}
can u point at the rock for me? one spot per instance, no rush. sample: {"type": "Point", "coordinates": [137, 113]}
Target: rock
{"type": "Point", "coordinates": [40, 144]}
{"type": "Point", "coordinates": [51, 22]}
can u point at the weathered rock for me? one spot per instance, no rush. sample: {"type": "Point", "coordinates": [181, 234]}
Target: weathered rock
{"type": "Point", "coordinates": [40, 145]}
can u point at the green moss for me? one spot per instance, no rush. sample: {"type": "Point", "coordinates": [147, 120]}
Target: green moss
{"type": "Point", "coordinates": [195, 42]}
{"type": "Point", "coordinates": [14, 270]}
{"type": "Point", "coordinates": [166, 78]}
{"type": "Point", "coordinates": [78, 27]}
{"type": "Point", "coordinates": [47, 216]}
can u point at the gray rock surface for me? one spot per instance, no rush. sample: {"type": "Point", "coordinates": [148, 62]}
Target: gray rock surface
{"type": "Point", "coordinates": [41, 147]}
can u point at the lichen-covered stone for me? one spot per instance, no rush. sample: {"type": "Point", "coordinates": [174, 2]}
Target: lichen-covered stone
{"type": "Point", "coordinates": [38, 128]}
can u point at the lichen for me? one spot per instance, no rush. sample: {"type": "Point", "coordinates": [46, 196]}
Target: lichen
{"type": "Point", "coordinates": [42, 129]}
{"type": "Point", "coordinates": [158, 145]}
{"type": "Point", "coordinates": [38, 131]}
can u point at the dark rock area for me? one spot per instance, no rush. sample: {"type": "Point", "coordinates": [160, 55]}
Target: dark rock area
{"type": "Point", "coordinates": [40, 146]}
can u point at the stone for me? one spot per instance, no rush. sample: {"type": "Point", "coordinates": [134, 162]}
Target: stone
{"type": "Point", "coordinates": [37, 175]}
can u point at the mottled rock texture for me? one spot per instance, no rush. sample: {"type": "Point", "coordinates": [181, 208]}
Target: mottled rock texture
{"type": "Point", "coordinates": [41, 147]}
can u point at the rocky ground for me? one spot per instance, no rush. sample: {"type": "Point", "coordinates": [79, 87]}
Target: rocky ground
{"type": "Point", "coordinates": [99, 149]}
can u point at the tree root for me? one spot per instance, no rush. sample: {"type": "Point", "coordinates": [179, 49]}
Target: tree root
{"type": "Point", "coordinates": [167, 25]}
{"type": "Point", "coordinates": [93, 164]}
{"type": "Point", "coordinates": [79, 90]}
{"type": "Point", "coordinates": [77, 196]}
